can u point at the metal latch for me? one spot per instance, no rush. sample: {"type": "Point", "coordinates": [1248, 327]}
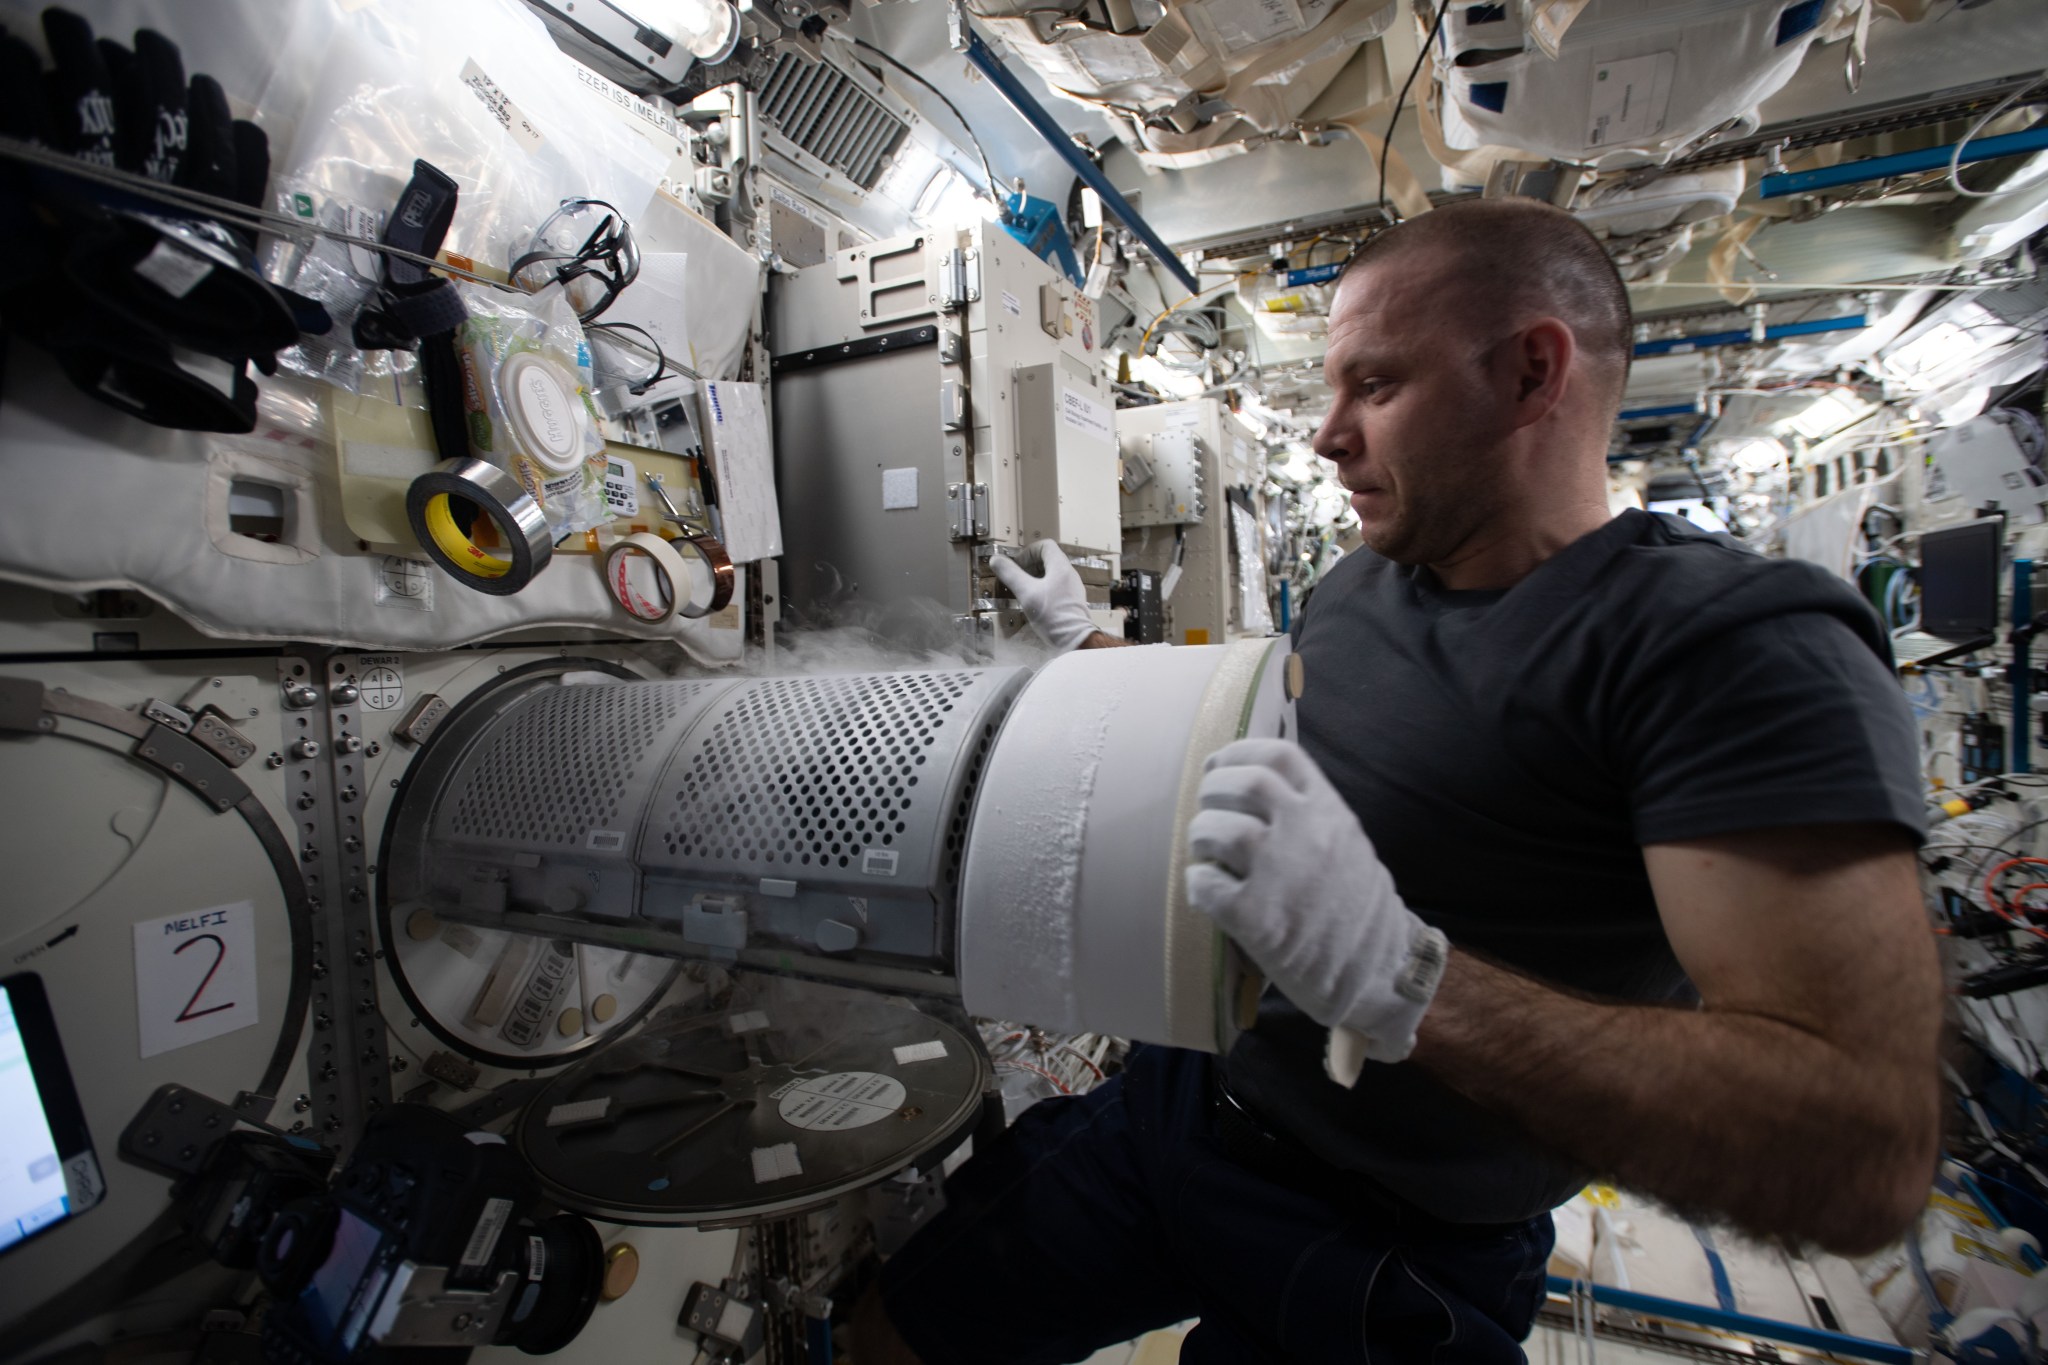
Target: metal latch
{"type": "Point", "coordinates": [967, 505]}
{"type": "Point", "coordinates": [215, 733]}
{"type": "Point", "coordinates": [165, 714]}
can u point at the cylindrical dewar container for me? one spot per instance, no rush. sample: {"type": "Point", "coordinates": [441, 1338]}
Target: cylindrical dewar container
{"type": "Point", "coordinates": [1073, 904]}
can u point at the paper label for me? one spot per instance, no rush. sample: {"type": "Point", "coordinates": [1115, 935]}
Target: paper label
{"type": "Point", "coordinates": [483, 1238]}
{"type": "Point", "coordinates": [1629, 100]}
{"type": "Point", "coordinates": [462, 939]}
{"type": "Point", "coordinates": [84, 1186]}
{"type": "Point", "coordinates": [1012, 305]}
{"type": "Point", "coordinates": [502, 109]}
{"type": "Point", "coordinates": [405, 584]}
{"type": "Point", "coordinates": [899, 489]}
{"type": "Point", "coordinates": [175, 271]}
{"type": "Point", "coordinates": [368, 225]}
{"type": "Point", "coordinates": [920, 1052]}
{"type": "Point", "coordinates": [748, 1021]}
{"type": "Point", "coordinates": [640, 110]}
{"type": "Point", "coordinates": [382, 686]}
{"type": "Point", "coordinates": [195, 976]}
{"type": "Point", "coordinates": [799, 207]}
{"type": "Point", "coordinates": [842, 1100]}
{"type": "Point", "coordinates": [775, 1163]}
{"type": "Point", "coordinates": [1085, 415]}
{"type": "Point", "coordinates": [1184, 417]}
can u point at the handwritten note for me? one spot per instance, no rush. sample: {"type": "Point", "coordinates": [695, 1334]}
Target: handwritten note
{"type": "Point", "coordinates": [195, 976]}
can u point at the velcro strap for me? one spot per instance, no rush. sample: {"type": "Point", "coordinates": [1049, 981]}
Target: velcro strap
{"type": "Point", "coordinates": [430, 313]}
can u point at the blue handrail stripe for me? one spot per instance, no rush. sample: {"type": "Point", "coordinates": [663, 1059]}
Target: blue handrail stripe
{"type": "Point", "coordinates": [1741, 1324]}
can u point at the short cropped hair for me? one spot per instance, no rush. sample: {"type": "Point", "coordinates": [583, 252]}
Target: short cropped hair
{"type": "Point", "coordinates": [1534, 260]}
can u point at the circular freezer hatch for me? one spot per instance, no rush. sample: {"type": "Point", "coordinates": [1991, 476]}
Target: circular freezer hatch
{"type": "Point", "coordinates": [773, 1106]}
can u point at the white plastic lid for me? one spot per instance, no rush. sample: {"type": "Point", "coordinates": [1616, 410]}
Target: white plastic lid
{"type": "Point", "coordinates": [545, 414]}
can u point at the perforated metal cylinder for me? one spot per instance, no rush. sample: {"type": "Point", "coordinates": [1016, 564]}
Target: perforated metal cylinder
{"type": "Point", "coordinates": [799, 822]}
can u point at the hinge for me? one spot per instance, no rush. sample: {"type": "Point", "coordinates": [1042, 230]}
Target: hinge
{"type": "Point", "coordinates": [967, 507]}
{"type": "Point", "coordinates": [959, 279]}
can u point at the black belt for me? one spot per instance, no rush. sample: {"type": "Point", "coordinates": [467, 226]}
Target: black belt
{"type": "Point", "coordinates": [1278, 1156]}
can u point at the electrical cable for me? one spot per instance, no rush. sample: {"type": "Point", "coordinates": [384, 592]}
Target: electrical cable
{"type": "Point", "coordinates": [1421, 56]}
{"type": "Point", "coordinates": [1955, 156]}
{"type": "Point", "coordinates": [994, 189]}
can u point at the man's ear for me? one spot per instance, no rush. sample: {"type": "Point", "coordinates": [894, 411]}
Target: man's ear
{"type": "Point", "coordinates": [1539, 360]}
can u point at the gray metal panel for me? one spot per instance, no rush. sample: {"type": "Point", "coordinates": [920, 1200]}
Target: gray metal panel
{"type": "Point", "coordinates": [836, 429]}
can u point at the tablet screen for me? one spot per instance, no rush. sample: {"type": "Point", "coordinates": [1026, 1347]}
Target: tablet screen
{"type": "Point", "coordinates": [34, 1194]}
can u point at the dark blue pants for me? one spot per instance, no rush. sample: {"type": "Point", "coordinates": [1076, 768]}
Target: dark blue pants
{"type": "Point", "coordinates": [1099, 1218]}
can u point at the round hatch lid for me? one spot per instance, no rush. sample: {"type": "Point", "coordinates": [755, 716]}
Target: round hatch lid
{"type": "Point", "coordinates": [773, 1106]}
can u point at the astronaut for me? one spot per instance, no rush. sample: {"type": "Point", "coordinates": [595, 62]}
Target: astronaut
{"type": "Point", "coordinates": [1595, 859]}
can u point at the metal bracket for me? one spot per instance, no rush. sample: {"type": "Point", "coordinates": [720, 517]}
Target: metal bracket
{"type": "Point", "coordinates": [967, 507]}
{"type": "Point", "coordinates": [345, 1058]}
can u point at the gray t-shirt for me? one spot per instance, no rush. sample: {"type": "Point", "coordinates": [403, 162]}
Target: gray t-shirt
{"type": "Point", "coordinates": [1510, 752]}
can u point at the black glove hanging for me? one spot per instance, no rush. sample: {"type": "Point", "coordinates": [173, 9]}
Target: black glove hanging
{"type": "Point", "coordinates": [151, 309]}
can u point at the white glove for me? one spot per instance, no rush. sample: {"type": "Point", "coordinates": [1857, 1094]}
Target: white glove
{"type": "Point", "coordinates": [1056, 602]}
{"type": "Point", "coordinates": [1278, 860]}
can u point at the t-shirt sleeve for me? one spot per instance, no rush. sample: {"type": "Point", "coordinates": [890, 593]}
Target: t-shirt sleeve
{"type": "Point", "coordinates": [1785, 720]}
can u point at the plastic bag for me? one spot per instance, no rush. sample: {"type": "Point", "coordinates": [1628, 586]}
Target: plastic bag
{"type": "Point", "coordinates": [526, 385]}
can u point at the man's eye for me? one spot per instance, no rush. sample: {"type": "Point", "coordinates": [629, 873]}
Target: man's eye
{"type": "Point", "coordinates": [1371, 388]}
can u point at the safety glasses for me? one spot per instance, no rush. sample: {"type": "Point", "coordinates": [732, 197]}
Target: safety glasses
{"type": "Point", "coordinates": [587, 247]}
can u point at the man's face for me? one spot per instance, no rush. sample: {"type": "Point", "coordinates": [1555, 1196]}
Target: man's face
{"type": "Point", "coordinates": [1415, 428]}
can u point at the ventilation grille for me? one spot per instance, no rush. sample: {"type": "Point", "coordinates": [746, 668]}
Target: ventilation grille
{"type": "Point", "coordinates": [556, 769]}
{"type": "Point", "coordinates": [820, 109]}
{"type": "Point", "coordinates": [813, 772]}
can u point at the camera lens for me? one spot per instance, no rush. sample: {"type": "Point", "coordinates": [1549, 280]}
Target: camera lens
{"type": "Point", "coordinates": [552, 1308]}
{"type": "Point", "coordinates": [296, 1244]}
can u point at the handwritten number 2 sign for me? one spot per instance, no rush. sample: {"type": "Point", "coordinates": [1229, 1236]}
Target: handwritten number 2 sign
{"type": "Point", "coordinates": [195, 976]}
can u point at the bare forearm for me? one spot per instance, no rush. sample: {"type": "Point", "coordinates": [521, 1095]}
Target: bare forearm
{"type": "Point", "coordinates": [1727, 1114]}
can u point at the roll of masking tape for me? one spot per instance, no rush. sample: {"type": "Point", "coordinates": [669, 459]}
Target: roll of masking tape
{"type": "Point", "coordinates": [659, 605]}
{"type": "Point", "coordinates": [495, 494]}
{"type": "Point", "coordinates": [674, 591]}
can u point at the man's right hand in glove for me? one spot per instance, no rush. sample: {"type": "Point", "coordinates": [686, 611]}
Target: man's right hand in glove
{"type": "Point", "coordinates": [1055, 601]}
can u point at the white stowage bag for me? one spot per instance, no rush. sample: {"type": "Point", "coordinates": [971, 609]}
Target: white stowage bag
{"type": "Point", "coordinates": [1633, 82]}
{"type": "Point", "coordinates": [1267, 60]}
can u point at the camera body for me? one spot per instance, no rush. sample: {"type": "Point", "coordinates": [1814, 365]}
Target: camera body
{"type": "Point", "coordinates": [427, 1246]}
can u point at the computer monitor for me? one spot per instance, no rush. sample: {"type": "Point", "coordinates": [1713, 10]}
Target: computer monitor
{"type": "Point", "coordinates": [48, 1170]}
{"type": "Point", "coordinates": [1959, 579]}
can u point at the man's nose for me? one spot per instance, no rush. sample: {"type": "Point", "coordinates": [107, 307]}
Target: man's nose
{"type": "Point", "coordinates": [1332, 440]}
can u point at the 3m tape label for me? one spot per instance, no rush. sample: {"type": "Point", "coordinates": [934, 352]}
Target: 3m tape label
{"type": "Point", "coordinates": [749, 1021]}
{"type": "Point", "coordinates": [920, 1052]}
